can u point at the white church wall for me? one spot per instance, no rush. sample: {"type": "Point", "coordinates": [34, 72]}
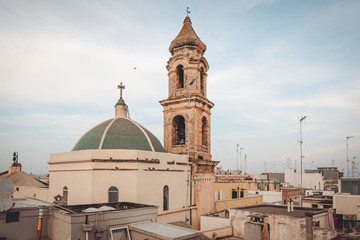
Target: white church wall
{"type": "Point", "coordinates": [124, 181]}
{"type": "Point", "coordinates": [89, 174]}
{"type": "Point", "coordinates": [79, 184]}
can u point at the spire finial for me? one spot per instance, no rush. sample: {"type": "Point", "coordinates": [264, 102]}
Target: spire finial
{"type": "Point", "coordinates": [121, 87]}
{"type": "Point", "coordinates": [187, 11]}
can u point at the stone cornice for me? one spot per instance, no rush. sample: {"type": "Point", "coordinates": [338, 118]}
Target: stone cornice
{"type": "Point", "coordinates": [196, 98]}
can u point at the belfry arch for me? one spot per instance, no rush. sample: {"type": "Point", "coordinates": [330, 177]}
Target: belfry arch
{"type": "Point", "coordinates": [180, 76]}
{"type": "Point", "coordinates": [204, 131]}
{"type": "Point", "coordinates": [178, 130]}
{"type": "Point", "coordinates": [202, 79]}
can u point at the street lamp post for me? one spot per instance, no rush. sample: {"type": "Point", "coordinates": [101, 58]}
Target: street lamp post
{"type": "Point", "coordinates": [347, 155]}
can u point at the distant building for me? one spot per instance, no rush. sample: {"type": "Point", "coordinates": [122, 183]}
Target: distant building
{"type": "Point", "coordinates": [290, 194]}
{"type": "Point", "coordinates": [26, 185]}
{"type": "Point", "coordinates": [347, 203]}
{"type": "Point", "coordinates": [21, 221]}
{"type": "Point", "coordinates": [272, 222]}
{"type": "Point", "coordinates": [255, 182]}
{"type": "Point", "coordinates": [310, 179]}
{"type": "Point", "coordinates": [332, 176]}
{"type": "Point", "coordinates": [277, 176]}
{"type": "Point", "coordinates": [350, 185]}
{"type": "Point", "coordinates": [232, 194]}
{"type": "Point", "coordinates": [318, 198]}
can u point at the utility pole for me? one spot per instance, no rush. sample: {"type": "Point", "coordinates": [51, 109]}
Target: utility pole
{"type": "Point", "coordinates": [301, 155]}
{"type": "Point", "coordinates": [240, 159]}
{"type": "Point", "coordinates": [245, 163]}
{"type": "Point", "coordinates": [237, 157]}
{"type": "Point", "coordinates": [347, 155]}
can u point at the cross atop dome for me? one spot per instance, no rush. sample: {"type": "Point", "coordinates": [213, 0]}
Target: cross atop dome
{"type": "Point", "coordinates": [121, 109]}
{"type": "Point", "coordinates": [121, 87]}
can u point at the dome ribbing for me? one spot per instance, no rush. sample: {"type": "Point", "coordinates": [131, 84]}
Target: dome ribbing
{"type": "Point", "coordinates": [119, 133]}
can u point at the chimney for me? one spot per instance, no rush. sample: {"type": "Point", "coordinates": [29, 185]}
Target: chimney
{"type": "Point", "coordinates": [309, 226]}
{"type": "Point", "coordinates": [15, 169]}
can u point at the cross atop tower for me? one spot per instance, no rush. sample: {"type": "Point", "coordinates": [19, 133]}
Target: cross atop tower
{"type": "Point", "coordinates": [187, 11]}
{"type": "Point", "coordinates": [121, 87]}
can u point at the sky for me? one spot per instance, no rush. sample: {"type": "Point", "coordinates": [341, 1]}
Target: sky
{"type": "Point", "coordinates": [271, 62]}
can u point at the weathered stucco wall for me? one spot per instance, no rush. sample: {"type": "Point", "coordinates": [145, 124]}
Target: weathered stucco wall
{"type": "Point", "coordinates": [26, 227]}
{"type": "Point", "coordinates": [33, 192]}
{"type": "Point", "coordinates": [240, 202]}
{"type": "Point", "coordinates": [63, 226]}
{"type": "Point", "coordinates": [211, 222]}
{"type": "Point", "coordinates": [347, 204]}
{"type": "Point", "coordinates": [269, 196]}
{"type": "Point", "coordinates": [281, 226]}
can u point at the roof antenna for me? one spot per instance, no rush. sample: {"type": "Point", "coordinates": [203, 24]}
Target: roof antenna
{"type": "Point", "coordinates": [187, 11]}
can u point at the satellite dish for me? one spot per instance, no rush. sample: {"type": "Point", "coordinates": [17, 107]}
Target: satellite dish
{"type": "Point", "coordinates": [6, 189]}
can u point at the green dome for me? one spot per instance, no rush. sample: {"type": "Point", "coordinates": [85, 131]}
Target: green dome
{"type": "Point", "coordinates": [119, 133]}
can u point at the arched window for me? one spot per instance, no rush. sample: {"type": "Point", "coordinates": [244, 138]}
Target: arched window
{"type": "Point", "coordinates": [65, 195]}
{"type": "Point", "coordinates": [180, 76]}
{"type": "Point", "coordinates": [202, 79]}
{"type": "Point", "coordinates": [178, 130]}
{"type": "Point", "coordinates": [166, 198]}
{"type": "Point", "coordinates": [113, 194]}
{"type": "Point", "coordinates": [204, 131]}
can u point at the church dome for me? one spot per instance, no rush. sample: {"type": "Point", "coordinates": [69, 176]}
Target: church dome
{"type": "Point", "coordinates": [186, 37]}
{"type": "Point", "coordinates": [119, 133]}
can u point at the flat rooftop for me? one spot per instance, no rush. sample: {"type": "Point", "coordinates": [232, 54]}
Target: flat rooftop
{"type": "Point", "coordinates": [29, 203]}
{"type": "Point", "coordinates": [164, 231]}
{"type": "Point", "coordinates": [282, 210]}
{"type": "Point", "coordinates": [102, 207]}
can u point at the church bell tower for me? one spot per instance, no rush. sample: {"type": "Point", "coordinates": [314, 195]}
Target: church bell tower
{"type": "Point", "coordinates": [187, 114]}
{"type": "Point", "coordinates": [187, 110]}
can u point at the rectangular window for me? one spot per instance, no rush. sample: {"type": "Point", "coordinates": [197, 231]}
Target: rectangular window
{"type": "Point", "coordinates": [234, 194]}
{"type": "Point", "coordinates": [12, 217]}
{"type": "Point", "coordinates": [355, 188]}
{"type": "Point", "coordinates": [345, 186]}
{"type": "Point", "coordinates": [242, 194]}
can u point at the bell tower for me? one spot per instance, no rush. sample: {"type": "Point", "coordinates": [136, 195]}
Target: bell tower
{"type": "Point", "coordinates": [187, 110]}
{"type": "Point", "coordinates": [187, 114]}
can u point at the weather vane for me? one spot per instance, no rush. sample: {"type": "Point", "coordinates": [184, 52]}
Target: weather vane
{"type": "Point", "coordinates": [187, 11]}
